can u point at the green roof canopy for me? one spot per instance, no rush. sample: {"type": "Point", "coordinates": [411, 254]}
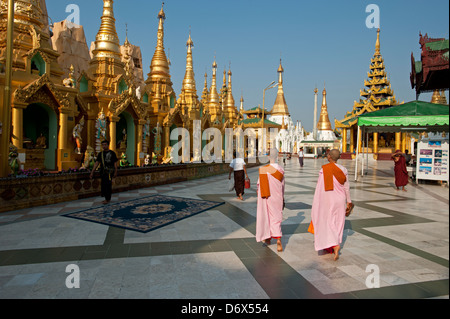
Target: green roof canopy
{"type": "Point", "coordinates": [412, 116]}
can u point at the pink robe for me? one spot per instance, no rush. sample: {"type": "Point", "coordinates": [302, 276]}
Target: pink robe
{"type": "Point", "coordinates": [269, 213]}
{"type": "Point", "coordinates": [328, 212]}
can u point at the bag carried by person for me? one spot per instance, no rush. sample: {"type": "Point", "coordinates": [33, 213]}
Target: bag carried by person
{"type": "Point", "coordinates": [247, 183]}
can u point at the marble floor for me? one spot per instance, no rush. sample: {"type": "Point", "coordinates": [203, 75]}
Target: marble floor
{"type": "Point", "coordinates": [396, 245]}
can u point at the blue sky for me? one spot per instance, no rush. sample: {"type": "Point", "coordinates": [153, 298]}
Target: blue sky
{"type": "Point", "coordinates": [318, 41]}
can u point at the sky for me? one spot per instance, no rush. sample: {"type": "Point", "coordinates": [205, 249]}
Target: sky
{"type": "Point", "coordinates": [319, 42]}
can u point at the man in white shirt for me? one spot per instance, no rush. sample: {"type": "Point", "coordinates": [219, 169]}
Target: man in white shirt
{"type": "Point", "coordinates": [237, 166]}
{"type": "Point", "coordinates": [300, 156]}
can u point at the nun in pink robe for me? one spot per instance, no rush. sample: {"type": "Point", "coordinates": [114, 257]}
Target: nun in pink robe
{"type": "Point", "coordinates": [270, 202]}
{"type": "Point", "coordinates": [330, 205]}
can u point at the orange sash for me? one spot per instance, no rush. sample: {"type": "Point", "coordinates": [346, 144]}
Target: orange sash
{"type": "Point", "coordinates": [264, 183]}
{"type": "Point", "coordinates": [329, 171]}
{"type": "Point", "coordinates": [311, 228]}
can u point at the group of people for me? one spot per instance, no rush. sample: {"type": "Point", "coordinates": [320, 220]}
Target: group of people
{"type": "Point", "coordinates": [331, 203]}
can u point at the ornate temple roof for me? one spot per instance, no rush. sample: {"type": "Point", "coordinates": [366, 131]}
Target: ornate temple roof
{"type": "Point", "coordinates": [377, 93]}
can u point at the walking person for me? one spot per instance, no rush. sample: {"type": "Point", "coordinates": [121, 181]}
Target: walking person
{"type": "Point", "coordinates": [107, 160]}
{"type": "Point", "coordinates": [401, 173]}
{"type": "Point", "coordinates": [300, 156]}
{"type": "Point", "coordinates": [237, 167]}
{"type": "Point", "coordinates": [270, 202]}
{"type": "Point", "coordinates": [331, 204]}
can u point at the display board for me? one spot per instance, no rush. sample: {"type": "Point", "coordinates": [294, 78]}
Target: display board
{"type": "Point", "coordinates": [432, 160]}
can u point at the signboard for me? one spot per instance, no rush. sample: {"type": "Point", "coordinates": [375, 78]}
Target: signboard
{"type": "Point", "coordinates": [432, 160]}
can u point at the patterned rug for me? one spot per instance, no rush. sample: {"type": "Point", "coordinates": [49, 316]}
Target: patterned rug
{"type": "Point", "coordinates": [145, 214]}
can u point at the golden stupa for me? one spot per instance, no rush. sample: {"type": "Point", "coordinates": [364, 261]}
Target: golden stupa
{"type": "Point", "coordinates": [324, 123]}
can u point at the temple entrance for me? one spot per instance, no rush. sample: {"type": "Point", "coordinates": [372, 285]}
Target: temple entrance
{"type": "Point", "coordinates": [125, 137]}
{"type": "Point", "coordinates": [40, 131]}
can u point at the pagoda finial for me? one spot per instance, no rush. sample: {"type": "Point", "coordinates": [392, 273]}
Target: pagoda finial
{"type": "Point", "coordinates": [377, 44]}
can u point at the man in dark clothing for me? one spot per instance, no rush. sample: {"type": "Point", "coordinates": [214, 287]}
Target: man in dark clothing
{"type": "Point", "coordinates": [107, 160]}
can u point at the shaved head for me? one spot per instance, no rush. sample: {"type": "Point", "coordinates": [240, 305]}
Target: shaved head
{"type": "Point", "coordinates": [335, 154]}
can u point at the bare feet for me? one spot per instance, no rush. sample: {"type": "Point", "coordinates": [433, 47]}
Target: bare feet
{"type": "Point", "coordinates": [336, 252]}
{"type": "Point", "coordinates": [279, 245]}
{"type": "Point", "coordinates": [404, 189]}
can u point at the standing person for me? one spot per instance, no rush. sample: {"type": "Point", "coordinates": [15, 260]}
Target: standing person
{"type": "Point", "coordinates": [270, 203]}
{"type": "Point", "coordinates": [300, 156]}
{"type": "Point", "coordinates": [284, 159]}
{"type": "Point", "coordinates": [237, 166]}
{"type": "Point", "coordinates": [401, 173]}
{"type": "Point", "coordinates": [107, 160]}
{"type": "Point", "coordinates": [331, 205]}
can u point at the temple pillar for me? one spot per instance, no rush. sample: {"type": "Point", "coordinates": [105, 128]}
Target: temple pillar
{"type": "Point", "coordinates": [352, 140]}
{"type": "Point", "coordinates": [166, 141]}
{"type": "Point", "coordinates": [63, 130]}
{"type": "Point", "coordinates": [91, 131]}
{"type": "Point", "coordinates": [17, 122]}
{"type": "Point", "coordinates": [112, 133]}
{"type": "Point", "coordinates": [403, 142]}
{"type": "Point", "coordinates": [398, 141]}
{"type": "Point", "coordinates": [344, 140]}
{"type": "Point", "coordinates": [375, 142]}
{"type": "Point", "coordinates": [140, 145]}
{"type": "Point", "coordinates": [65, 157]}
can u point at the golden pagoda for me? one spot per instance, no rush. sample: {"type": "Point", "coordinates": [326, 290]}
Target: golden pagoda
{"type": "Point", "coordinates": [229, 108]}
{"type": "Point", "coordinates": [213, 105]}
{"type": "Point", "coordinates": [280, 107]}
{"type": "Point", "coordinates": [377, 95]}
{"type": "Point", "coordinates": [159, 84]}
{"type": "Point", "coordinates": [324, 123]}
{"type": "Point", "coordinates": [42, 108]}
{"type": "Point", "coordinates": [56, 120]}
{"type": "Point", "coordinates": [188, 99]}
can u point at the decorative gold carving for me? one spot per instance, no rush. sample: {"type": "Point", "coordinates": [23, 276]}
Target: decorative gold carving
{"type": "Point", "coordinates": [28, 93]}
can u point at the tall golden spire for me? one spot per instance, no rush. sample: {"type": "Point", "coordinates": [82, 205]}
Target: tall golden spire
{"type": "Point", "coordinates": [280, 107]}
{"type": "Point", "coordinates": [377, 44]}
{"type": "Point", "coordinates": [189, 77]}
{"type": "Point", "coordinates": [213, 95]}
{"type": "Point", "coordinates": [230, 99]}
{"type": "Point", "coordinates": [324, 121]}
{"type": "Point", "coordinates": [214, 98]}
{"type": "Point", "coordinates": [205, 92]}
{"type": "Point", "coordinates": [107, 43]}
{"type": "Point", "coordinates": [159, 67]}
